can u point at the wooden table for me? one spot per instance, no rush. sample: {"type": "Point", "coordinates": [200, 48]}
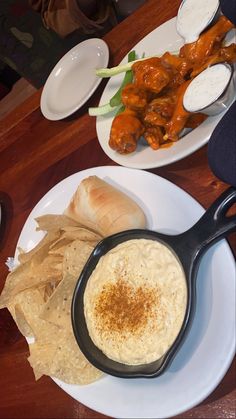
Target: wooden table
{"type": "Point", "coordinates": [35, 154]}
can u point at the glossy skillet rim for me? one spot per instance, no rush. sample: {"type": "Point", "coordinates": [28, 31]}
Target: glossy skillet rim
{"type": "Point", "coordinates": [105, 364]}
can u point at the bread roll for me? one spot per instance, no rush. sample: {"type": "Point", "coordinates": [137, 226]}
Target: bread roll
{"type": "Point", "coordinates": [103, 208]}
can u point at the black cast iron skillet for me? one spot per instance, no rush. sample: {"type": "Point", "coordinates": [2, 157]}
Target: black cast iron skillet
{"type": "Point", "coordinates": [188, 247]}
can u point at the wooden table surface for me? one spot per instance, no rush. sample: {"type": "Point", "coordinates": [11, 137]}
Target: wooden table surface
{"type": "Point", "coordinates": [35, 154]}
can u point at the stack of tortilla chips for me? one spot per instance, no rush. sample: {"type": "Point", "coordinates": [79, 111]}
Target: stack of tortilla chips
{"type": "Point", "coordinates": [38, 294]}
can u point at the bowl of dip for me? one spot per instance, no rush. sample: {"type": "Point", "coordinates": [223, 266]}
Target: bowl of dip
{"type": "Point", "coordinates": [211, 91]}
{"type": "Point", "coordinates": [135, 298]}
{"type": "Point", "coordinates": [135, 301]}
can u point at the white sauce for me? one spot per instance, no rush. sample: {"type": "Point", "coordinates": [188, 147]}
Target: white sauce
{"type": "Point", "coordinates": [194, 16]}
{"type": "Point", "coordinates": [206, 88]}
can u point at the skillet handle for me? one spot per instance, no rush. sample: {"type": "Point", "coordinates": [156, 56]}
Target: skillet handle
{"type": "Point", "coordinates": [213, 225]}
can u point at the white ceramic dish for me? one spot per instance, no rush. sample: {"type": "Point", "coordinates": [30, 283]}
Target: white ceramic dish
{"type": "Point", "coordinates": [164, 38]}
{"type": "Point", "coordinates": [72, 81]}
{"type": "Point", "coordinates": [210, 346]}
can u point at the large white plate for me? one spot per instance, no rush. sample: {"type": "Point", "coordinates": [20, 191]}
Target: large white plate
{"type": "Point", "coordinates": [73, 80]}
{"type": "Point", "coordinates": [209, 348]}
{"type": "Point", "coordinates": [164, 38]}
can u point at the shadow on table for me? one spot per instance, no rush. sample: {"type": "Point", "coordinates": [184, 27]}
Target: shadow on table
{"type": "Point", "coordinates": [6, 217]}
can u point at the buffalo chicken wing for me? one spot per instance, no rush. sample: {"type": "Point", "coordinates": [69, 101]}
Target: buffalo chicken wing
{"type": "Point", "coordinates": [210, 41]}
{"type": "Point", "coordinates": [150, 74]}
{"type": "Point", "coordinates": [125, 132]}
{"type": "Point", "coordinates": [134, 97]}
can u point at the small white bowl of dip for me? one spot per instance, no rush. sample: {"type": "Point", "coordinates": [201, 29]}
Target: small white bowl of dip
{"type": "Point", "coordinates": [211, 91]}
{"type": "Point", "coordinates": [195, 16]}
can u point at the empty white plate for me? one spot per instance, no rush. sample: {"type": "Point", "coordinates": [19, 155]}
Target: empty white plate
{"type": "Point", "coordinates": [73, 80]}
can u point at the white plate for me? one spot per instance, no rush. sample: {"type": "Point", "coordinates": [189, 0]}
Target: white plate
{"type": "Point", "coordinates": [164, 38]}
{"type": "Point", "coordinates": [209, 348]}
{"type": "Point", "coordinates": [73, 80]}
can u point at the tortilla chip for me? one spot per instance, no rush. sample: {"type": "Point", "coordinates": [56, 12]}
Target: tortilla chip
{"type": "Point", "coordinates": [31, 274]}
{"type": "Point", "coordinates": [26, 308]}
{"type": "Point", "coordinates": [49, 289]}
{"type": "Point", "coordinates": [41, 358]}
{"type": "Point", "coordinates": [63, 360]}
{"type": "Point", "coordinates": [57, 310]}
{"type": "Point", "coordinates": [59, 246]}
{"type": "Point", "coordinates": [80, 233]}
{"type": "Point", "coordinates": [70, 365]}
{"type": "Point", "coordinates": [38, 293]}
{"type": "Point", "coordinates": [14, 279]}
{"type": "Point", "coordinates": [75, 256]}
{"type": "Point", "coordinates": [51, 222]}
{"type": "Point", "coordinates": [70, 234]}
{"type": "Point", "coordinates": [20, 320]}
{"type": "Point", "coordinates": [43, 246]}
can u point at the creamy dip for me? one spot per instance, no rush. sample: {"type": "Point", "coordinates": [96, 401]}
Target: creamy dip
{"type": "Point", "coordinates": [135, 301]}
{"type": "Point", "coordinates": [207, 87]}
{"type": "Point", "coordinates": [194, 16]}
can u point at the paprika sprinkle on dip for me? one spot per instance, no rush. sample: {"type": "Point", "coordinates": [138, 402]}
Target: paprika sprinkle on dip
{"type": "Point", "coordinates": [125, 308]}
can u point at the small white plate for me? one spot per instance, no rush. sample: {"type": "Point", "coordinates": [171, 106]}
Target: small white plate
{"type": "Point", "coordinates": [73, 80]}
{"type": "Point", "coordinates": [209, 347]}
{"type": "Point", "coordinates": [162, 39]}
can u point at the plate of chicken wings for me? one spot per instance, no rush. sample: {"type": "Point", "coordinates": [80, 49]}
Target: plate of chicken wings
{"type": "Point", "coordinates": [153, 129]}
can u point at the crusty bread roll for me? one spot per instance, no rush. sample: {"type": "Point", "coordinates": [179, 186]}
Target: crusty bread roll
{"type": "Point", "coordinates": [103, 208]}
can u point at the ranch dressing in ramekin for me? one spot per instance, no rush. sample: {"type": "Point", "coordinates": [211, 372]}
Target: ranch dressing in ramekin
{"type": "Point", "coordinates": [207, 87]}
{"type": "Point", "coordinates": [194, 16]}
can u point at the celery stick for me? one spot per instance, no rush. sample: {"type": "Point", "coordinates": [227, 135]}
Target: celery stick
{"type": "Point", "coordinates": [116, 99]}
{"type": "Point", "coordinates": [100, 110]}
{"type": "Point", "coordinates": [113, 71]}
